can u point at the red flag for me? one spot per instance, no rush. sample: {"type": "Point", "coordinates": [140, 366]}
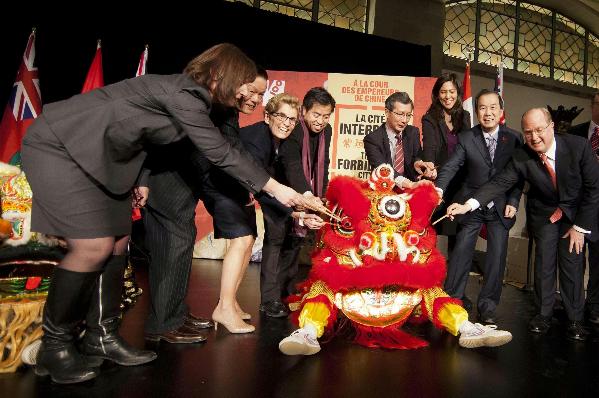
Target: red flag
{"type": "Point", "coordinates": [24, 105]}
{"type": "Point", "coordinates": [95, 76]}
{"type": "Point", "coordinates": [467, 97]}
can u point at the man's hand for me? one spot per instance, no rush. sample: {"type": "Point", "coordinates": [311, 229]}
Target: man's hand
{"type": "Point", "coordinates": [313, 221]}
{"type": "Point", "coordinates": [425, 169]}
{"type": "Point", "coordinates": [510, 211]}
{"type": "Point", "coordinates": [576, 240]}
{"type": "Point", "coordinates": [455, 209]}
{"type": "Point", "coordinates": [140, 197]}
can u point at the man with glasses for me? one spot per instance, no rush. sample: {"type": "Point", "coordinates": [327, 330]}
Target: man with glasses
{"type": "Point", "coordinates": [563, 174]}
{"type": "Point", "coordinates": [482, 152]}
{"type": "Point", "coordinates": [396, 142]}
{"type": "Point", "coordinates": [590, 131]}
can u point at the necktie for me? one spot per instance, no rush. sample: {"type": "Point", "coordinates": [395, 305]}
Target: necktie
{"type": "Point", "coordinates": [595, 140]}
{"type": "Point", "coordinates": [398, 162]}
{"type": "Point", "coordinates": [491, 145]}
{"type": "Point", "coordinates": [557, 214]}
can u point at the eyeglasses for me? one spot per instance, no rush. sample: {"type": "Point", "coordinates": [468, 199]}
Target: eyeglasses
{"type": "Point", "coordinates": [281, 117]}
{"type": "Point", "coordinates": [538, 131]}
{"type": "Point", "coordinates": [402, 115]}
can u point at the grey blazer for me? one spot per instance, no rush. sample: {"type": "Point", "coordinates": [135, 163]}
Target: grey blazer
{"type": "Point", "coordinates": [107, 131]}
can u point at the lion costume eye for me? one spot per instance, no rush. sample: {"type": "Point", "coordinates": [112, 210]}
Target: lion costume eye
{"type": "Point", "coordinates": [344, 227]}
{"type": "Point", "coordinates": [393, 207]}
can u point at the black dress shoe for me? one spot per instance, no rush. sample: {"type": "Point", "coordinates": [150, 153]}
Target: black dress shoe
{"type": "Point", "coordinates": [487, 318]}
{"type": "Point", "coordinates": [182, 335]}
{"type": "Point", "coordinates": [576, 331]}
{"type": "Point", "coordinates": [197, 322]}
{"type": "Point", "coordinates": [540, 324]}
{"type": "Point", "coordinates": [274, 309]}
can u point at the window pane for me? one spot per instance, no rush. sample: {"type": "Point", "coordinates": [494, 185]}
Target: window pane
{"type": "Point", "coordinates": [593, 62]}
{"type": "Point", "coordinates": [569, 52]}
{"type": "Point", "coordinates": [505, 7]}
{"type": "Point", "coordinates": [536, 14]}
{"type": "Point", "coordinates": [568, 25]}
{"type": "Point", "coordinates": [497, 32]}
{"type": "Point", "coordinates": [300, 9]}
{"type": "Point", "coordinates": [460, 28]}
{"type": "Point", "coordinates": [534, 49]}
{"type": "Point", "coordinates": [349, 14]}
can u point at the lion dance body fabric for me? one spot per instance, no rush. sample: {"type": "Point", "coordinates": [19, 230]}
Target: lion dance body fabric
{"type": "Point", "coordinates": [379, 265]}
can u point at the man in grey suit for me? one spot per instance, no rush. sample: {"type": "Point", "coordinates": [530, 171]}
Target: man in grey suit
{"type": "Point", "coordinates": [590, 131]}
{"type": "Point", "coordinates": [482, 152]}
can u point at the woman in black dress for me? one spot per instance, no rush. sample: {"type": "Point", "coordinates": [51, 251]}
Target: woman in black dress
{"type": "Point", "coordinates": [441, 123]}
{"type": "Point", "coordinates": [83, 155]}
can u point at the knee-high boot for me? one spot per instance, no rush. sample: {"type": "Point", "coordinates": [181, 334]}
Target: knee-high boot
{"type": "Point", "coordinates": [102, 339]}
{"type": "Point", "coordinates": [67, 304]}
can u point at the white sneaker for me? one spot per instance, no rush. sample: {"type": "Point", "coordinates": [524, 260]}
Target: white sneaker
{"type": "Point", "coordinates": [299, 343]}
{"type": "Point", "coordinates": [29, 353]}
{"type": "Point", "coordinates": [484, 336]}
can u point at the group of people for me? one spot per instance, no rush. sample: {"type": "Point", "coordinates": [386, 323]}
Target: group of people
{"type": "Point", "coordinates": [169, 141]}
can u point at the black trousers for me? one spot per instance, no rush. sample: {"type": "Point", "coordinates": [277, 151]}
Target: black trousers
{"type": "Point", "coordinates": [592, 299]}
{"type": "Point", "coordinates": [551, 253]}
{"type": "Point", "coordinates": [460, 261]}
{"type": "Point", "coordinates": [276, 228]}
{"type": "Point", "coordinates": [170, 238]}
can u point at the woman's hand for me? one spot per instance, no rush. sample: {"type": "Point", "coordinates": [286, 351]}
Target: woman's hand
{"type": "Point", "coordinates": [283, 193]}
{"type": "Point", "coordinates": [140, 197]}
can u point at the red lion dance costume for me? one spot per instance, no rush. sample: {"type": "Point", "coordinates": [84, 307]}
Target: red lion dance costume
{"type": "Point", "coordinates": [378, 265]}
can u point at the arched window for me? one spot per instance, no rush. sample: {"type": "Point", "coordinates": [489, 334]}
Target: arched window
{"type": "Point", "coordinates": [533, 39]}
{"type": "Point", "coordinates": [348, 14]}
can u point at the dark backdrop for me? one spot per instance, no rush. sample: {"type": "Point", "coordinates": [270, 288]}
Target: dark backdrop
{"type": "Point", "coordinates": [176, 32]}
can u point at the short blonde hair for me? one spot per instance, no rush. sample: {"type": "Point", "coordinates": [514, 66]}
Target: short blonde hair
{"type": "Point", "coordinates": [278, 100]}
{"type": "Point", "coordinates": [545, 112]}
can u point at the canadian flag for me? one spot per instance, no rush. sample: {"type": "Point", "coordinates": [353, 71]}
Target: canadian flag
{"type": "Point", "coordinates": [467, 97]}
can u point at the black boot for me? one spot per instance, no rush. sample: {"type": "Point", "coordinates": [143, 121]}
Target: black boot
{"type": "Point", "coordinates": [67, 303]}
{"type": "Point", "coordinates": [101, 338]}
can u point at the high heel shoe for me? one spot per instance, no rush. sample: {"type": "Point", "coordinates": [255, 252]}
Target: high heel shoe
{"type": "Point", "coordinates": [244, 315]}
{"type": "Point", "coordinates": [231, 325]}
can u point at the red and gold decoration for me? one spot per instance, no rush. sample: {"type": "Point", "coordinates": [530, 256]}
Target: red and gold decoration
{"type": "Point", "coordinates": [376, 264]}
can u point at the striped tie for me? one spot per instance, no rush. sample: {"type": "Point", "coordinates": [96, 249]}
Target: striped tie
{"type": "Point", "coordinates": [595, 140]}
{"type": "Point", "coordinates": [557, 214]}
{"type": "Point", "coordinates": [398, 162]}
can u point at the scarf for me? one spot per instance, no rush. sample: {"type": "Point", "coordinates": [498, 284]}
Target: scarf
{"type": "Point", "coordinates": [313, 173]}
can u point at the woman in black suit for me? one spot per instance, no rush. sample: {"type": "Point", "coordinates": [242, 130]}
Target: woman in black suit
{"type": "Point", "coordinates": [82, 157]}
{"type": "Point", "coordinates": [441, 123]}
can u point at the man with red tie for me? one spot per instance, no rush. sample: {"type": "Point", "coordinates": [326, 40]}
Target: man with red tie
{"type": "Point", "coordinates": [395, 141]}
{"type": "Point", "coordinates": [590, 131]}
{"type": "Point", "coordinates": [563, 174]}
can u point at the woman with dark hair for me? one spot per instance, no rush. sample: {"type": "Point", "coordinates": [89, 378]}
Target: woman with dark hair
{"type": "Point", "coordinates": [441, 123]}
{"type": "Point", "coordinates": [82, 157]}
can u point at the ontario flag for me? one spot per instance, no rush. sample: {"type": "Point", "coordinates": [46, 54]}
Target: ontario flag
{"type": "Point", "coordinates": [24, 105]}
{"type": "Point", "coordinates": [467, 97]}
{"type": "Point", "coordinates": [499, 88]}
{"type": "Point", "coordinates": [95, 74]}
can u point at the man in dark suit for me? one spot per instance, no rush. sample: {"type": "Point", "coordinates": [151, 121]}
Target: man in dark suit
{"type": "Point", "coordinates": [395, 142]}
{"type": "Point", "coordinates": [590, 131]}
{"type": "Point", "coordinates": [305, 159]}
{"type": "Point", "coordinates": [482, 152]}
{"type": "Point", "coordinates": [563, 175]}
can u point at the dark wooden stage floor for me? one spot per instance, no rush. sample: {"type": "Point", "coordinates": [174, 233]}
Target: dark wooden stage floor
{"type": "Point", "coordinates": [251, 365]}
